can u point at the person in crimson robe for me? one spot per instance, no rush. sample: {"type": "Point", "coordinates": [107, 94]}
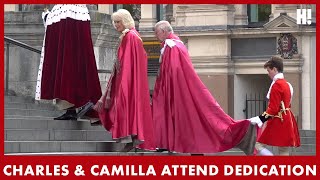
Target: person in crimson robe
{"type": "Point", "coordinates": [187, 117]}
{"type": "Point", "coordinates": [67, 71]}
{"type": "Point", "coordinates": [124, 108]}
{"type": "Point", "coordinates": [280, 129]}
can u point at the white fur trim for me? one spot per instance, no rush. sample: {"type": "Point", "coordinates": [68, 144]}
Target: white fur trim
{"type": "Point", "coordinates": [275, 78]}
{"type": "Point", "coordinates": [63, 11]}
{"type": "Point", "coordinates": [168, 42]}
{"type": "Point", "coordinates": [38, 86]}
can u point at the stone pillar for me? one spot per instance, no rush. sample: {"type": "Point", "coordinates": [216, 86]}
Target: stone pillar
{"type": "Point", "coordinates": [11, 7]}
{"type": "Point", "coordinates": [92, 7]}
{"type": "Point", "coordinates": [105, 39]}
{"type": "Point", "coordinates": [241, 17]}
{"type": "Point", "coordinates": [105, 8]}
{"type": "Point", "coordinates": [170, 13]}
{"type": "Point", "coordinates": [313, 83]}
{"type": "Point", "coordinates": [136, 14]}
{"type": "Point", "coordinates": [307, 83]}
{"type": "Point", "coordinates": [148, 16]}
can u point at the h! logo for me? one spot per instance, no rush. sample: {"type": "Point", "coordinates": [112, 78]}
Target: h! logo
{"type": "Point", "coordinates": [304, 16]}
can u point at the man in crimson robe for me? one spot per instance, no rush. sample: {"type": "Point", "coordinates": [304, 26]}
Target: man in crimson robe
{"type": "Point", "coordinates": [124, 108]}
{"type": "Point", "coordinates": [67, 71]}
{"type": "Point", "coordinates": [280, 129]}
{"type": "Point", "coordinates": [187, 117]}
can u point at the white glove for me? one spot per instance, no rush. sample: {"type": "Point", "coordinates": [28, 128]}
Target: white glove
{"type": "Point", "coordinates": [256, 121]}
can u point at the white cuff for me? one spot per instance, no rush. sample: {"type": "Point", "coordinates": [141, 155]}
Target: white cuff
{"type": "Point", "coordinates": [256, 121]}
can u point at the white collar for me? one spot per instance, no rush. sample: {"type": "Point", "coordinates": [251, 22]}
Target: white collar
{"type": "Point", "coordinates": [278, 76]}
{"type": "Point", "coordinates": [275, 78]}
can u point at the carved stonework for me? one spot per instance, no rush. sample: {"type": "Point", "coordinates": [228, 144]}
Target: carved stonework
{"type": "Point", "coordinates": [136, 8]}
{"type": "Point", "coordinates": [287, 45]}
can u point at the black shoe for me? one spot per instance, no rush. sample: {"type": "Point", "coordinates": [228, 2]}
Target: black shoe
{"type": "Point", "coordinates": [84, 109]}
{"type": "Point", "coordinates": [161, 150]}
{"type": "Point", "coordinates": [95, 123]}
{"type": "Point", "coordinates": [196, 154]}
{"type": "Point", "coordinates": [69, 115]}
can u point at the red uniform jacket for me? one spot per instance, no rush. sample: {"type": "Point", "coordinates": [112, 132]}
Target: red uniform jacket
{"type": "Point", "coordinates": [280, 131]}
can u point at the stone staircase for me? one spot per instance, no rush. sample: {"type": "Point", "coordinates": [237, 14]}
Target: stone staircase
{"type": "Point", "coordinates": [31, 130]}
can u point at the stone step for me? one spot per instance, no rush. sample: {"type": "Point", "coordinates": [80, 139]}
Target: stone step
{"type": "Point", "coordinates": [61, 146]}
{"type": "Point", "coordinates": [308, 140]}
{"type": "Point", "coordinates": [49, 124]}
{"type": "Point", "coordinates": [303, 133]}
{"type": "Point", "coordinates": [39, 122]}
{"type": "Point", "coordinates": [305, 148]}
{"type": "Point", "coordinates": [56, 135]}
{"type": "Point", "coordinates": [303, 154]}
{"type": "Point", "coordinates": [18, 99]}
{"type": "Point", "coordinates": [31, 106]}
{"type": "Point", "coordinates": [26, 118]}
{"type": "Point", "coordinates": [31, 112]}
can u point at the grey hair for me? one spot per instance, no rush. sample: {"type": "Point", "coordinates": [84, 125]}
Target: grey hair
{"type": "Point", "coordinates": [124, 16]}
{"type": "Point", "coordinates": [164, 25]}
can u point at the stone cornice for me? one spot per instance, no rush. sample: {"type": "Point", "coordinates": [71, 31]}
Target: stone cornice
{"type": "Point", "coordinates": [241, 65]}
{"type": "Point", "coordinates": [231, 31]}
{"type": "Point", "coordinates": [282, 22]}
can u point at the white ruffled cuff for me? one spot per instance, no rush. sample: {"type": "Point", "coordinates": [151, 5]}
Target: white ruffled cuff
{"type": "Point", "coordinates": [256, 121]}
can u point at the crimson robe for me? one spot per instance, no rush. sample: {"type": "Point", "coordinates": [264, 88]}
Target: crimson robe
{"type": "Point", "coordinates": [277, 132]}
{"type": "Point", "coordinates": [69, 69]}
{"type": "Point", "coordinates": [130, 113]}
{"type": "Point", "coordinates": [187, 117]}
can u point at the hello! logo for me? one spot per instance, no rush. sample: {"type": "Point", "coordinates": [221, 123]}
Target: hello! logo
{"type": "Point", "coordinates": [304, 16]}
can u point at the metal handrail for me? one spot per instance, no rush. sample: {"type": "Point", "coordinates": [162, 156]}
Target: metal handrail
{"type": "Point", "coordinates": [21, 44]}
{"type": "Point", "coordinates": [26, 46]}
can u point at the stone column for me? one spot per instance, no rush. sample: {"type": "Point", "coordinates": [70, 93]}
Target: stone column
{"type": "Point", "coordinates": [307, 83]}
{"type": "Point", "coordinates": [105, 8]}
{"type": "Point", "coordinates": [92, 7]}
{"type": "Point", "coordinates": [148, 16]}
{"type": "Point", "coordinates": [241, 17]}
{"type": "Point", "coordinates": [11, 7]}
